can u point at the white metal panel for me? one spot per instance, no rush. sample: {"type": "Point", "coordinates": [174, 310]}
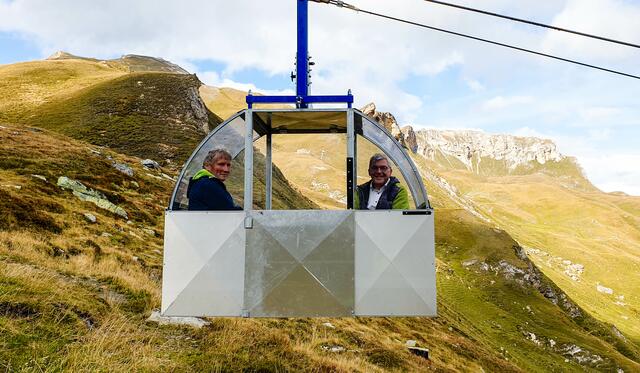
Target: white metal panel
{"type": "Point", "coordinates": [203, 270]}
{"type": "Point", "coordinates": [394, 264]}
{"type": "Point", "coordinates": [300, 264]}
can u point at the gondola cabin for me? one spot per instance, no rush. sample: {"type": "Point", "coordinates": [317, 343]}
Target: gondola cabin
{"type": "Point", "coordinates": [299, 263]}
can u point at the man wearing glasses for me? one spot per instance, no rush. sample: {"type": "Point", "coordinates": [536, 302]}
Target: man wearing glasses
{"type": "Point", "coordinates": [383, 191]}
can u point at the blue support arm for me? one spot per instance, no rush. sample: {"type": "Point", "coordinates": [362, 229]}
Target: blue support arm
{"type": "Point", "coordinates": [302, 99]}
{"type": "Point", "coordinates": [346, 99]}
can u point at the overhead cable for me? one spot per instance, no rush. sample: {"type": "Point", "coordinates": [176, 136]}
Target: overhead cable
{"type": "Point", "coordinates": [534, 23]}
{"type": "Point", "coordinates": [344, 5]}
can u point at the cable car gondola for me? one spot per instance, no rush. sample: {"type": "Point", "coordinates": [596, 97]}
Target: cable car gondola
{"type": "Point", "coordinates": [299, 263]}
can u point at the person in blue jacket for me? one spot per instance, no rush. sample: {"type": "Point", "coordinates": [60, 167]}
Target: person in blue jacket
{"type": "Point", "coordinates": [206, 190]}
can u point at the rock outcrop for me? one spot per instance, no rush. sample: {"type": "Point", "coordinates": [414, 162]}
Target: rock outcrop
{"type": "Point", "coordinates": [468, 146]}
{"type": "Point", "coordinates": [384, 118]}
{"type": "Point", "coordinates": [195, 322]}
{"type": "Point", "coordinates": [198, 111]}
{"type": "Point", "coordinates": [87, 194]}
{"type": "Point", "coordinates": [410, 139]}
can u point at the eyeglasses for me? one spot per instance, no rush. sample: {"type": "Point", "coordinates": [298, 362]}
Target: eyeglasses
{"type": "Point", "coordinates": [379, 168]}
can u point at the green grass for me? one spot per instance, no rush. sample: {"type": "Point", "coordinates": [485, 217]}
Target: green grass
{"type": "Point", "coordinates": [598, 230]}
{"type": "Point", "coordinates": [74, 299]}
{"type": "Point", "coordinates": [499, 305]}
{"type": "Point", "coordinates": [78, 301]}
{"type": "Point", "coordinates": [145, 115]}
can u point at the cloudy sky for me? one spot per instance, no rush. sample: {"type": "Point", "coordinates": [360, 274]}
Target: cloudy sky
{"type": "Point", "coordinates": [425, 78]}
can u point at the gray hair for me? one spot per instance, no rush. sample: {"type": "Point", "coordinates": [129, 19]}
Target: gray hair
{"type": "Point", "coordinates": [213, 156]}
{"type": "Point", "coordinates": [378, 157]}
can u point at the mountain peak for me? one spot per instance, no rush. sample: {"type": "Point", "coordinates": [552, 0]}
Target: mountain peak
{"type": "Point", "coordinates": [469, 146]}
{"type": "Point", "coordinates": [137, 62]}
{"type": "Point", "coordinates": [62, 55]}
{"type": "Point", "coordinates": [384, 118]}
{"type": "Point", "coordinates": [131, 62]}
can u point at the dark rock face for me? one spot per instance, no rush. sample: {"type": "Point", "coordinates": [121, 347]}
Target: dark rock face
{"type": "Point", "coordinates": [198, 111]}
{"type": "Point", "coordinates": [410, 139]}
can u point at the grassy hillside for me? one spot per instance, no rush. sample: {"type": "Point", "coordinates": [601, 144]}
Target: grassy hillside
{"type": "Point", "coordinates": [143, 114]}
{"type": "Point", "coordinates": [227, 101]}
{"type": "Point", "coordinates": [75, 295]}
{"type": "Point", "coordinates": [581, 239]}
{"type": "Point", "coordinates": [25, 86]}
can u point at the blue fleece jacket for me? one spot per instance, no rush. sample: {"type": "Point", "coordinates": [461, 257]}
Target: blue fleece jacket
{"type": "Point", "coordinates": [206, 192]}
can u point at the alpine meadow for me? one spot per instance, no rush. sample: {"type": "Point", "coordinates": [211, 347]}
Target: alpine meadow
{"type": "Point", "coordinates": [536, 267]}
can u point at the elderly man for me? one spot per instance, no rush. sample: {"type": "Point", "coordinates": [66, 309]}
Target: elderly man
{"type": "Point", "coordinates": [383, 191]}
{"type": "Point", "coordinates": [206, 190]}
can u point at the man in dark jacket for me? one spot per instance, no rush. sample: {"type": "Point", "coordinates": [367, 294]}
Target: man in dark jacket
{"type": "Point", "coordinates": [206, 190]}
{"type": "Point", "coordinates": [383, 191]}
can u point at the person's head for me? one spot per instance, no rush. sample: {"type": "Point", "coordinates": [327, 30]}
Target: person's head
{"type": "Point", "coordinates": [218, 162]}
{"type": "Point", "coordinates": [379, 170]}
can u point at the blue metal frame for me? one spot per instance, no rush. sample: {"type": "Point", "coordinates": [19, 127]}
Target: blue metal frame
{"type": "Point", "coordinates": [346, 99]}
{"type": "Point", "coordinates": [302, 99]}
{"type": "Point", "coordinates": [302, 54]}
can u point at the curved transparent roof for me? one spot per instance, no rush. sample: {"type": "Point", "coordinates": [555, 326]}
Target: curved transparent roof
{"type": "Point", "coordinates": [230, 135]}
{"type": "Point", "coordinates": [378, 135]}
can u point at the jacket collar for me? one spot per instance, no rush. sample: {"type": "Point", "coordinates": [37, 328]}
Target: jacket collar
{"type": "Point", "coordinates": [202, 173]}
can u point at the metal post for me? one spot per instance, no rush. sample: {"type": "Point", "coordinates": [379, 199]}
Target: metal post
{"type": "Point", "coordinates": [248, 162]}
{"type": "Point", "coordinates": [302, 55]}
{"type": "Point", "coordinates": [268, 174]}
{"type": "Point", "coordinates": [351, 161]}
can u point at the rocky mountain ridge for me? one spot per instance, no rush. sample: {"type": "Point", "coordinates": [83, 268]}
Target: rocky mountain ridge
{"type": "Point", "coordinates": [131, 62]}
{"type": "Point", "coordinates": [468, 145]}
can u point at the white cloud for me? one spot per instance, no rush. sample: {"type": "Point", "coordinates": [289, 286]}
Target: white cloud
{"type": "Point", "coordinates": [614, 172]}
{"type": "Point", "coordinates": [615, 19]}
{"type": "Point", "coordinates": [501, 102]}
{"type": "Point", "coordinates": [599, 134]}
{"type": "Point", "coordinates": [474, 85]}
{"type": "Point", "coordinates": [529, 132]}
{"type": "Point", "coordinates": [420, 76]}
{"type": "Point", "coordinates": [212, 78]}
{"type": "Point", "coordinates": [599, 113]}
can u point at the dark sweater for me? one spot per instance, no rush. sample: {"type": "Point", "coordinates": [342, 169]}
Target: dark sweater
{"type": "Point", "coordinates": [206, 192]}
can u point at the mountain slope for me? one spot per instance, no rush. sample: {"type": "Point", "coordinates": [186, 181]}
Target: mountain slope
{"type": "Point", "coordinates": [78, 293]}
{"type": "Point", "coordinates": [27, 85]}
{"type": "Point", "coordinates": [75, 295]}
{"type": "Point", "coordinates": [154, 115]}
{"type": "Point", "coordinates": [587, 241]}
{"type": "Point", "coordinates": [583, 240]}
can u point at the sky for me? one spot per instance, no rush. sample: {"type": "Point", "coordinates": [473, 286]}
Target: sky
{"type": "Point", "coordinates": [426, 79]}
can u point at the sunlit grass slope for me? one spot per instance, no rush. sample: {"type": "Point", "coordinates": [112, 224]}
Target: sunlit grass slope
{"type": "Point", "coordinates": [142, 114]}
{"type": "Point", "coordinates": [25, 86]}
{"type": "Point", "coordinates": [564, 226]}
{"type": "Point", "coordinates": [75, 295]}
